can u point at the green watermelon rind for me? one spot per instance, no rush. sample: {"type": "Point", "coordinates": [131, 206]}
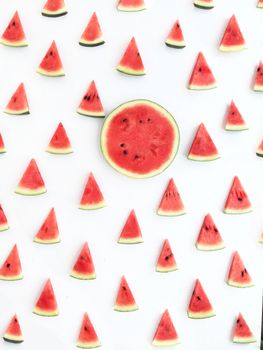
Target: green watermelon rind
{"type": "Point", "coordinates": [131, 8]}
{"type": "Point", "coordinates": [59, 13]}
{"type": "Point", "coordinates": [88, 345]}
{"type": "Point", "coordinates": [10, 338]}
{"type": "Point", "coordinates": [136, 240]}
{"type": "Point", "coordinates": [201, 315]}
{"type": "Point", "coordinates": [229, 127]}
{"type": "Point", "coordinates": [4, 227]}
{"type": "Point", "coordinates": [11, 278]}
{"type": "Point", "coordinates": [128, 71]}
{"type": "Point", "coordinates": [47, 241]}
{"type": "Point", "coordinates": [40, 312]}
{"type": "Point", "coordinates": [58, 73]}
{"type": "Point", "coordinates": [237, 211]}
{"type": "Point", "coordinates": [209, 247]}
{"type": "Point", "coordinates": [96, 206]}
{"type": "Point", "coordinates": [165, 269]}
{"type": "Point", "coordinates": [81, 276]}
{"type": "Point", "coordinates": [202, 5]}
{"type": "Point", "coordinates": [27, 192]}
{"type": "Point", "coordinates": [259, 153]}
{"type": "Point", "coordinates": [260, 5]}
{"type": "Point", "coordinates": [20, 43]}
{"type": "Point", "coordinates": [126, 308]}
{"type": "Point", "coordinates": [175, 44]}
{"type": "Point", "coordinates": [171, 213]}
{"type": "Point", "coordinates": [59, 151]}
{"type": "Point", "coordinates": [201, 87]}
{"type": "Point", "coordinates": [239, 284]}
{"type": "Point", "coordinates": [161, 343]}
{"type": "Point", "coordinates": [94, 43]}
{"type": "Point", "coordinates": [232, 48]}
{"type": "Point", "coordinates": [17, 112]}
{"type": "Point", "coordinates": [244, 340]}
{"type": "Point", "coordinates": [203, 158]}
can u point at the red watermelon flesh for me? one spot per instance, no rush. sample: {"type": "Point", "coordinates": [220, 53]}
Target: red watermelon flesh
{"type": "Point", "coordinates": [237, 201]}
{"type": "Point", "coordinates": [258, 83]}
{"type": "Point", "coordinates": [209, 237]}
{"type": "Point", "coordinates": [131, 62]}
{"type": "Point", "coordinates": [131, 232]}
{"type": "Point", "coordinates": [165, 334]}
{"type": "Point", "coordinates": [3, 220]}
{"type": "Point", "coordinates": [125, 300]}
{"type": "Point", "coordinates": [59, 143]}
{"type": "Point", "coordinates": [92, 197]}
{"type": "Point", "coordinates": [46, 304]}
{"type": "Point", "coordinates": [88, 338]}
{"type": "Point", "coordinates": [92, 35]}
{"type": "Point", "coordinates": [18, 104]}
{"type": "Point", "coordinates": [48, 232]}
{"type": "Point", "coordinates": [260, 149]}
{"type": "Point", "coordinates": [54, 8]}
{"type": "Point", "coordinates": [238, 275]}
{"type": "Point", "coordinates": [203, 147]}
{"type": "Point", "coordinates": [166, 261]}
{"type": "Point", "coordinates": [171, 203]}
{"type": "Point", "coordinates": [199, 306]}
{"type": "Point", "coordinates": [234, 119]}
{"type": "Point", "coordinates": [83, 268]}
{"type": "Point", "coordinates": [202, 77]}
{"type": "Point", "coordinates": [131, 5]}
{"type": "Point", "coordinates": [51, 64]}
{"type": "Point", "coordinates": [90, 104]}
{"type": "Point", "coordinates": [232, 39]}
{"type": "Point", "coordinates": [14, 33]}
{"type": "Point", "coordinates": [242, 333]}
{"type": "Point", "coordinates": [204, 4]}
{"type": "Point", "coordinates": [2, 145]}
{"type": "Point", "coordinates": [175, 38]}
{"type": "Point", "coordinates": [260, 4]}
{"type": "Point", "coordinates": [11, 269]}
{"type": "Point", "coordinates": [13, 333]}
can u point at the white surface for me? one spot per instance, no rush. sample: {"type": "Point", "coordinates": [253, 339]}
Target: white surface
{"type": "Point", "coordinates": [203, 186]}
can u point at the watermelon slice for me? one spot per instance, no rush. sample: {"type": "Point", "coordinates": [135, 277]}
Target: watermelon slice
{"type": "Point", "coordinates": [11, 269]}
{"type": "Point", "coordinates": [31, 183]}
{"type": "Point", "coordinates": [261, 238]}
{"type": "Point", "coordinates": [13, 333]}
{"type": "Point", "coordinates": [202, 77]}
{"type": "Point", "coordinates": [171, 203]}
{"type": "Point", "coordinates": [92, 35]}
{"type": "Point", "coordinates": [18, 104]}
{"type": "Point", "coordinates": [232, 39]}
{"type": "Point", "coordinates": [260, 4]}
{"type": "Point", "coordinates": [131, 5]}
{"type": "Point", "coordinates": [209, 237]}
{"type": "Point", "coordinates": [54, 8]}
{"type": "Point", "coordinates": [260, 149]}
{"type": "Point", "coordinates": [48, 232]}
{"type": "Point", "coordinates": [140, 138]}
{"type": "Point", "coordinates": [131, 62]}
{"type": "Point", "coordinates": [2, 145]}
{"type": "Point", "coordinates": [88, 338]}
{"type": "Point", "coordinates": [204, 4]}
{"type": "Point", "coordinates": [51, 64]}
{"type": "Point", "coordinates": [3, 220]}
{"type": "Point", "coordinates": [166, 261]}
{"type": "Point", "coordinates": [175, 38]}
{"type": "Point", "coordinates": [237, 201]}
{"type": "Point", "coordinates": [203, 147]}
{"type": "Point", "coordinates": [83, 268]}
{"type": "Point", "coordinates": [199, 306]}
{"type": "Point", "coordinates": [125, 300]}
{"type": "Point", "coordinates": [46, 304]}
{"type": "Point", "coordinates": [59, 143]}
{"type": "Point", "coordinates": [92, 197]}
{"type": "Point", "coordinates": [234, 119]}
{"type": "Point", "coordinates": [131, 231]}
{"type": "Point", "coordinates": [14, 33]}
{"type": "Point", "coordinates": [242, 333]}
{"type": "Point", "coordinates": [90, 104]}
{"type": "Point", "coordinates": [258, 83]}
{"type": "Point", "coordinates": [165, 334]}
{"type": "Point", "coordinates": [238, 275]}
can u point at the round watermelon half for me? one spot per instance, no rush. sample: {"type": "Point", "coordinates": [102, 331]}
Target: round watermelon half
{"type": "Point", "coordinates": [131, 5]}
{"type": "Point", "coordinates": [13, 333]}
{"type": "Point", "coordinates": [54, 8]}
{"type": "Point", "coordinates": [140, 138]}
{"type": "Point", "coordinates": [14, 33]}
{"type": "Point", "coordinates": [204, 4]}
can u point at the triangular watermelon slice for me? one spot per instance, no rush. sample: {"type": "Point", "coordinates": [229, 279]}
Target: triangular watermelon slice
{"type": "Point", "coordinates": [166, 261]}
{"type": "Point", "coordinates": [88, 338]}
{"type": "Point", "coordinates": [232, 39]}
{"type": "Point", "coordinates": [11, 269]}
{"type": "Point", "coordinates": [204, 4]}
{"type": "Point", "coordinates": [48, 232]}
{"type": "Point", "coordinates": [92, 35]}
{"type": "Point", "coordinates": [131, 62]}
{"type": "Point", "coordinates": [175, 38]}
{"type": "Point", "coordinates": [202, 77]}
{"type": "Point", "coordinates": [242, 333]}
{"type": "Point", "coordinates": [54, 8]}
{"type": "Point", "coordinates": [260, 4]}
{"type": "Point", "coordinates": [3, 220]}
{"type": "Point", "coordinates": [46, 304]}
{"type": "Point", "coordinates": [171, 203]}
{"type": "Point", "coordinates": [259, 151]}
{"type": "Point", "coordinates": [59, 143]}
{"type": "Point", "coordinates": [13, 333]}
{"type": "Point", "coordinates": [237, 201]}
{"type": "Point", "coordinates": [131, 5]}
{"type": "Point", "coordinates": [31, 183]}
{"type": "Point", "coordinates": [90, 104]}
{"type": "Point", "coordinates": [2, 145]}
{"type": "Point", "coordinates": [92, 197]}
{"type": "Point", "coordinates": [199, 306]}
{"type": "Point", "coordinates": [258, 83]}
{"type": "Point", "coordinates": [234, 119]}
{"type": "Point", "coordinates": [165, 334]}
{"type": "Point", "coordinates": [14, 33]}
{"type": "Point", "coordinates": [18, 104]}
{"type": "Point", "coordinates": [51, 64]}
{"type": "Point", "coordinates": [125, 300]}
{"type": "Point", "coordinates": [209, 237]}
{"type": "Point", "coordinates": [131, 232]}
{"type": "Point", "coordinates": [238, 275]}
{"type": "Point", "coordinates": [83, 268]}
{"type": "Point", "coordinates": [203, 147]}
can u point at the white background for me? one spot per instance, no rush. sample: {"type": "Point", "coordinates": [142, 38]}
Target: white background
{"type": "Point", "coordinates": [203, 186]}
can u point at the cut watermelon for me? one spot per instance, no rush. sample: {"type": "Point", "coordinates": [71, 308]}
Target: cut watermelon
{"type": "Point", "coordinates": [92, 197]}
{"type": "Point", "coordinates": [48, 232]}
{"type": "Point", "coordinates": [209, 237]}
{"type": "Point", "coordinates": [175, 38]}
{"type": "Point", "coordinates": [238, 275]}
{"type": "Point", "coordinates": [31, 183]}
{"type": "Point", "coordinates": [260, 149]}
{"type": "Point", "coordinates": [232, 39]}
{"type": "Point", "coordinates": [237, 201]}
{"type": "Point", "coordinates": [3, 220]}
{"type": "Point", "coordinates": [92, 35]}
{"type": "Point", "coordinates": [202, 77]}
{"type": "Point", "coordinates": [140, 138]}
{"type": "Point", "coordinates": [131, 5]}
{"type": "Point", "coordinates": [234, 119]}
{"type": "Point", "coordinates": [203, 147]}
{"type": "Point", "coordinates": [165, 334]}
{"type": "Point", "coordinates": [46, 304]}
{"type": "Point", "coordinates": [171, 203]}
{"type": "Point", "coordinates": [51, 64]}
{"type": "Point", "coordinates": [11, 269]}
{"type": "Point", "coordinates": [18, 104]}
{"type": "Point", "coordinates": [204, 4]}
{"type": "Point", "coordinates": [14, 33]}
{"type": "Point", "coordinates": [131, 232]}
{"type": "Point", "coordinates": [90, 104]}
{"type": "Point", "coordinates": [2, 146]}
{"type": "Point", "coordinates": [166, 261]}
{"type": "Point", "coordinates": [131, 62]}
{"type": "Point", "coordinates": [59, 143]}
{"type": "Point", "coordinates": [258, 83]}
{"type": "Point", "coordinates": [54, 8]}
{"type": "Point", "coordinates": [199, 306]}
{"type": "Point", "coordinates": [125, 300]}
{"type": "Point", "coordinates": [242, 333]}
{"type": "Point", "coordinates": [83, 268]}
{"type": "Point", "coordinates": [13, 333]}
{"type": "Point", "coordinates": [260, 4]}
{"type": "Point", "coordinates": [88, 338]}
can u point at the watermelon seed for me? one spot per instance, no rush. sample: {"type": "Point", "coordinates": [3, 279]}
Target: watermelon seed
{"type": "Point", "coordinates": [206, 228]}
{"type": "Point", "coordinates": [125, 152]}
{"type": "Point", "coordinates": [122, 145]}
{"type": "Point", "coordinates": [198, 298]}
{"type": "Point", "coordinates": [51, 53]}
{"type": "Point", "coordinates": [258, 70]}
{"type": "Point", "coordinates": [14, 23]}
{"type": "Point", "coordinates": [140, 121]}
{"type": "Point", "coordinates": [136, 156]}
{"type": "Point", "coordinates": [8, 265]}
{"type": "Point", "coordinates": [138, 54]}
{"type": "Point", "coordinates": [238, 320]}
{"type": "Point", "coordinates": [86, 329]}
{"type": "Point", "coordinates": [124, 120]}
{"type": "Point", "coordinates": [87, 97]}
{"type": "Point", "coordinates": [200, 69]}
{"type": "Point", "coordinates": [123, 287]}
{"type": "Point", "coordinates": [177, 25]}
